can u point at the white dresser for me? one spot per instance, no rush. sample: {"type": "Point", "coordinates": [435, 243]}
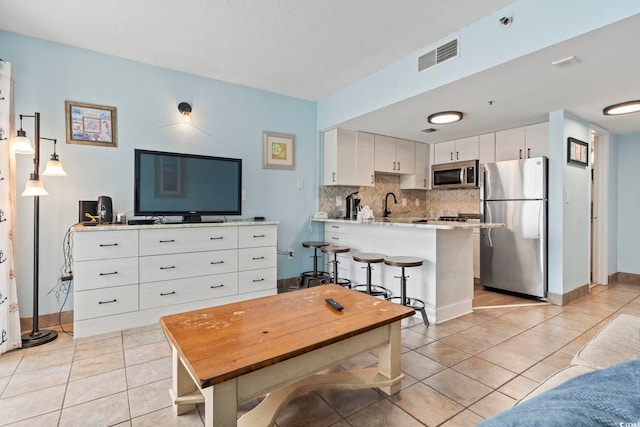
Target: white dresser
{"type": "Point", "coordinates": [129, 276]}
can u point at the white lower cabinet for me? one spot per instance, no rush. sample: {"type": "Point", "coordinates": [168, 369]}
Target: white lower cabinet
{"type": "Point", "coordinates": [129, 276]}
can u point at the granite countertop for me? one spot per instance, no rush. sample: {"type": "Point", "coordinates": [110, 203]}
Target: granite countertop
{"type": "Point", "coordinates": [231, 223]}
{"type": "Point", "coordinates": [411, 222]}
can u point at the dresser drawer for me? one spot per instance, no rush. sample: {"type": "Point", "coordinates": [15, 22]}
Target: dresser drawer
{"type": "Point", "coordinates": [255, 258]}
{"type": "Point", "coordinates": [259, 235]}
{"type": "Point", "coordinates": [160, 294]}
{"type": "Point", "coordinates": [105, 273]}
{"type": "Point", "coordinates": [336, 238]}
{"type": "Point", "coordinates": [105, 302]}
{"type": "Point", "coordinates": [257, 280]}
{"type": "Point", "coordinates": [182, 240]}
{"type": "Point", "coordinates": [90, 245]}
{"type": "Point", "coordinates": [177, 266]}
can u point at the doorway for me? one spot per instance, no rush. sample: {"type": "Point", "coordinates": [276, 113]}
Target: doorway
{"type": "Point", "coordinates": [599, 155]}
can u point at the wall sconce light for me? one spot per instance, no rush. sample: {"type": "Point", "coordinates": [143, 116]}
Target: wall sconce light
{"type": "Point", "coordinates": [445, 117]}
{"type": "Point", "coordinates": [622, 108]}
{"type": "Point", "coordinates": [185, 110]}
{"type": "Point", "coordinates": [35, 188]}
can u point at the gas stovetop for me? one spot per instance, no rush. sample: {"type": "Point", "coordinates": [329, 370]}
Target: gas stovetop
{"type": "Point", "coordinates": [461, 218]}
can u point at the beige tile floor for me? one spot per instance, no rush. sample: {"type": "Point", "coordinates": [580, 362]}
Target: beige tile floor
{"type": "Point", "coordinates": [457, 373]}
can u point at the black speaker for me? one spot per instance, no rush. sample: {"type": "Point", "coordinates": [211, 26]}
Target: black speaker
{"type": "Point", "coordinates": [105, 210]}
{"type": "Point", "coordinates": [87, 207]}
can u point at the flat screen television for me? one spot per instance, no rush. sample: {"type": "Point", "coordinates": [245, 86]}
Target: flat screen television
{"type": "Point", "coordinates": [189, 185]}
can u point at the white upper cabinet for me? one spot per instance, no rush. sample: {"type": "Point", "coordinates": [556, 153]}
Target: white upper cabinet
{"type": "Point", "coordinates": [394, 155]}
{"type": "Point", "coordinates": [522, 142]}
{"type": "Point", "coordinates": [487, 148]}
{"type": "Point", "coordinates": [365, 158]}
{"type": "Point", "coordinates": [339, 157]}
{"type": "Point", "coordinates": [458, 150]}
{"type": "Point", "coordinates": [421, 179]}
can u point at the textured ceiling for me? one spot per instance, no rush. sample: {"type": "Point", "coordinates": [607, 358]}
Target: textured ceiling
{"type": "Point", "coordinates": [302, 48]}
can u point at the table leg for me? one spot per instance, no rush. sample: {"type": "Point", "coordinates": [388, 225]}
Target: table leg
{"type": "Point", "coordinates": [389, 358]}
{"type": "Point", "coordinates": [221, 404]}
{"type": "Point", "coordinates": [183, 385]}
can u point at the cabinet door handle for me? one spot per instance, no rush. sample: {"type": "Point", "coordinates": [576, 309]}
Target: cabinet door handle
{"type": "Point", "coordinates": [529, 153]}
{"type": "Point", "coordinates": [451, 156]}
{"type": "Point", "coordinates": [398, 166]}
{"type": "Point", "coordinates": [257, 258]}
{"type": "Point", "coordinates": [108, 274]}
{"type": "Point", "coordinates": [394, 165]}
{"type": "Point", "coordinates": [334, 177]}
{"type": "Point", "coordinates": [167, 241]}
{"type": "Point", "coordinates": [162, 294]}
{"type": "Point", "coordinates": [424, 184]}
{"type": "Point", "coordinates": [167, 268]}
{"type": "Point", "coordinates": [217, 262]}
{"type": "Point", "coordinates": [457, 155]}
{"type": "Point", "coordinates": [107, 302]}
{"type": "Point", "coordinates": [216, 238]}
{"type": "Point", "coordinates": [255, 236]}
{"type": "Point", "coordinates": [258, 280]}
{"type": "Point", "coordinates": [217, 286]}
{"type": "Point", "coordinates": [520, 153]}
{"type": "Point", "coordinates": [372, 181]}
{"type": "Point", "coordinates": [102, 245]}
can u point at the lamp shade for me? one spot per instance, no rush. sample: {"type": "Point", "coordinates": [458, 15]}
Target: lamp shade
{"type": "Point", "coordinates": [54, 167]}
{"type": "Point", "coordinates": [34, 187]}
{"type": "Point", "coordinates": [21, 144]}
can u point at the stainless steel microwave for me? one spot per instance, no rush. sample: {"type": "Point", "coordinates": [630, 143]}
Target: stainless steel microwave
{"type": "Point", "coordinates": [455, 175]}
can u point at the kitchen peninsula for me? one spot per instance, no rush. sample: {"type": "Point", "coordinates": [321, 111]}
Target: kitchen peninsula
{"type": "Point", "coordinates": [444, 281]}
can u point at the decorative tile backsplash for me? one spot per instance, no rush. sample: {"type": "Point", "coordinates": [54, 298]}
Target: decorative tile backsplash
{"type": "Point", "coordinates": [430, 203]}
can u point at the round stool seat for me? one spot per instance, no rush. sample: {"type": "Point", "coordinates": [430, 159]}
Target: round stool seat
{"type": "Point", "coordinates": [335, 249]}
{"type": "Point", "coordinates": [314, 244]}
{"type": "Point", "coordinates": [368, 257]}
{"type": "Point", "coordinates": [403, 261]}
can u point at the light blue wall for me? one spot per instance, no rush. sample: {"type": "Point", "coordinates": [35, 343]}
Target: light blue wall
{"type": "Point", "coordinates": [228, 121]}
{"type": "Point", "coordinates": [628, 203]}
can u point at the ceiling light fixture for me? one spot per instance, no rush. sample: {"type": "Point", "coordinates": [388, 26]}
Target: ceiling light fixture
{"type": "Point", "coordinates": [185, 110]}
{"type": "Point", "coordinates": [622, 108]}
{"type": "Point", "coordinates": [445, 117]}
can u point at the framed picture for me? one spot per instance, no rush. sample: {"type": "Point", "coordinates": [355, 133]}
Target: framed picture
{"type": "Point", "coordinates": [169, 177]}
{"type": "Point", "coordinates": [91, 124]}
{"type": "Point", "coordinates": [277, 151]}
{"type": "Point", "coordinates": [577, 152]}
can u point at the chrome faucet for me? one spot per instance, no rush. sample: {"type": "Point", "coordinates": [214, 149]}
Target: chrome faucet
{"type": "Point", "coordinates": [386, 211]}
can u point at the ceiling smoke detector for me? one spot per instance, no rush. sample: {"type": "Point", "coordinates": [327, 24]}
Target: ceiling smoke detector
{"type": "Point", "coordinates": [429, 130]}
{"type": "Point", "coordinates": [505, 21]}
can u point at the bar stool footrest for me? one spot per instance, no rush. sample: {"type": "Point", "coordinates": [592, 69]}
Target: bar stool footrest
{"type": "Point", "coordinates": [376, 290]}
{"type": "Point", "coordinates": [341, 282]}
{"type": "Point", "coordinates": [416, 304]}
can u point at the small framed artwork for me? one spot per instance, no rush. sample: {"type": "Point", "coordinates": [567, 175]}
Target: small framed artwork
{"type": "Point", "coordinates": [577, 152]}
{"type": "Point", "coordinates": [91, 124]}
{"type": "Point", "coordinates": [278, 151]}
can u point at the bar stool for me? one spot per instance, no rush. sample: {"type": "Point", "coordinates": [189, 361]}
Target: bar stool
{"type": "Point", "coordinates": [376, 290]}
{"type": "Point", "coordinates": [316, 275]}
{"type": "Point", "coordinates": [335, 250]}
{"type": "Point", "coordinates": [403, 262]}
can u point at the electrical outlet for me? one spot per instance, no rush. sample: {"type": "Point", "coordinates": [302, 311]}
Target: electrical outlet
{"type": "Point", "coordinates": [290, 251]}
{"type": "Point", "coordinates": [338, 201]}
{"type": "Point", "coordinates": [417, 202]}
{"type": "Point", "coordinates": [404, 202]}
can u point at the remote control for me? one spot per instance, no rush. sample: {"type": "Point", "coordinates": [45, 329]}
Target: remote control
{"type": "Point", "coordinates": [333, 303]}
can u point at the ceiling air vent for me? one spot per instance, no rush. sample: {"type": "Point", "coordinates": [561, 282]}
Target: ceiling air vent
{"type": "Point", "coordinates": [438, 55]}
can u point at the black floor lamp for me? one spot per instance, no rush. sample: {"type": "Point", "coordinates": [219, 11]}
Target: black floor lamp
{"type": "Point", "coordinates": [35, 188]}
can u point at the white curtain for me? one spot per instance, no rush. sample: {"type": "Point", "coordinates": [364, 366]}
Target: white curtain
{"type": "Point", "coordinates": [9, 314]}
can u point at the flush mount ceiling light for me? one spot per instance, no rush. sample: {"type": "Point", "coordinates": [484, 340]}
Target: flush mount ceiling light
{"type": "Point", "coordinates": [185, 109]}
{"type": "Point", "coordinates": [445, 117]}
{"type": "Point", "coordinates": [622, 108]}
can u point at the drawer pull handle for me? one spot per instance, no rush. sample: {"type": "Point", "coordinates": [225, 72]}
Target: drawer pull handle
{"type": "Point", "coordinates": [107, 302]}
{"type": "Point", "coordinates": [102, 245]}
{"type": "Point", "coordinates": [258, 235]}
{"type": "Point", "coordinates": [217, 286]}
{"type": "Point", "coordinates": [335, 226]}
{"type": "Point", "coordinates": [167, 268]}
{"type": "Point", "coordinates": [258, 280]}
{"type": "Point", "coordinates": [167, 241]}
{"type": "Point", "coordinates": [162, 294]}
{"type": "Point", "coordinates": [108, 274]}
{"type": "Point", "coordinates": [257, 257]}
{"type": "Point", "coordinates": [335, 238]}
{"type": "Point", "coordinates": [217, 262]}
{"type": "Point", "coordinates": [216, 238]}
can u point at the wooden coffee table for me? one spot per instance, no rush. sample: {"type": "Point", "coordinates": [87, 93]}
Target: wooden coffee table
{"type": "Point", "coordinates": [227, 355]}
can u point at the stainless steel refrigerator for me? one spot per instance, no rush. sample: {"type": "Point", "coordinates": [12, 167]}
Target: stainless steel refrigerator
{"type": "Point", "coordinates": [514, 258]}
